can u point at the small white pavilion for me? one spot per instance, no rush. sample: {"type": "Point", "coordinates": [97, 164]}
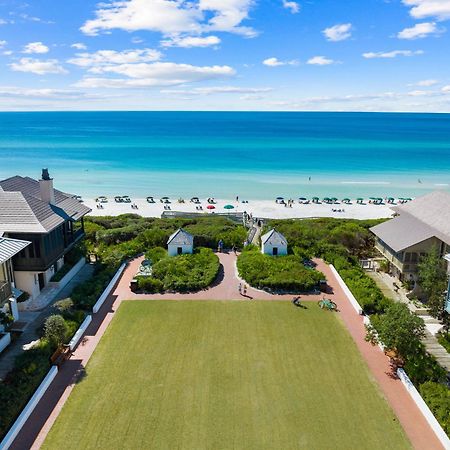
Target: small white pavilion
{"type": "Point", "coordinates": [180, 243]}
{"type": "Point", "coordinates": [274, 243]}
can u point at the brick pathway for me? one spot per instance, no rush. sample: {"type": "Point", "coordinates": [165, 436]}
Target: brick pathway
{"type": "Point", "coordinates": [40, 422]}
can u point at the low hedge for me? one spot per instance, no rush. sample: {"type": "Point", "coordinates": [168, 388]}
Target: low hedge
{"type": "Point", "coordinates": [29, 370]}
{"type": "Point", "coordinates": [437, 397]}
{"type": "Point", "coordinates": [185, 273]}
{"type": "Point", "coordinates": [281, 273]}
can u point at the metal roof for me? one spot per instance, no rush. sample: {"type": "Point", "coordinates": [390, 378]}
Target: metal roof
{"type": "Point", "coordinates": [181, 237]}
{"type": "Point", "coordinates": [23, 211]}
{"type": "Point", "coordinates": [273, 237]}
{"type": "Point", "coordinates": [10, 247]}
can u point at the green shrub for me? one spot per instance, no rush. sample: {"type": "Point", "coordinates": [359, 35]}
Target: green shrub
{"type": "Point", "coordinates": [282, 273]}
{"type": "Point", "coordinates": [150, 285]}
{"type": "Point", "coordinates": [186, 273]}
{"type": "Point", "coordinates": [55, 329]}
{"type": "Point", "coordinates": [156, 254]}
{"type": "Point", "coordinates": [437, 397]}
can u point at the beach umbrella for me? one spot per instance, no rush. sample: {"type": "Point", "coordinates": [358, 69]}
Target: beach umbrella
{"type": "Point", "coordinates": [333, 199]}
{"type": "Point", "coordinates": [346, 200]}
{"type": "Point", "coordinates": [280, 198]}
{"type": "Point", "coordinates": [229, 207]}
{"type": "Point", "coordinates": [302, 199]}
{"type": "Point", "coordinates": [211, 207]}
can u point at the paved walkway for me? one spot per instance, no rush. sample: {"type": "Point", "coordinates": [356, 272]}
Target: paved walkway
{"type": "Point", "coordinates": [36, 319]}
{"type": "Point", "coordinates": [40, 422]}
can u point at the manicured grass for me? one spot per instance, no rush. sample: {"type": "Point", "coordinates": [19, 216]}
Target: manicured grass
{"type": "Point", "coordinates": [226, 375]}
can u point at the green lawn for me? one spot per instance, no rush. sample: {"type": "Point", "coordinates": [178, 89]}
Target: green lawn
{"type": "Point", "coordinates": [226, 375]}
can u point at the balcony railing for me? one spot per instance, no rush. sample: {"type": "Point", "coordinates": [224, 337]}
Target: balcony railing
{"type": "Point", "coordinates": [5, 291]}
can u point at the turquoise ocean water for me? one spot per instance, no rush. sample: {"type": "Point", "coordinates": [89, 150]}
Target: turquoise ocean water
{"type": "Point", "coordinates": [253, 155]}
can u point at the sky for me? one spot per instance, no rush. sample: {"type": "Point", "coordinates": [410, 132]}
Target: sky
{"type": "Point", "coordinates": [265, 55]}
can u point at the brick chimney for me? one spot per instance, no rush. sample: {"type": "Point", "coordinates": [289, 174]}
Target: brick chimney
{"type": "Point", "coordinates": [46, 187]}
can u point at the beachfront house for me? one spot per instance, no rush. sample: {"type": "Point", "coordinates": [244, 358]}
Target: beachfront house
{"type": "Point", "coordinates": [50, 220]}
{"type": "Point", "coordinates": [180, 243]}
{"type": "Point", "coordinates": [274, 243]}
{"type": "Point", "coordinates": [420, 225]}
{"type": "Point", "coordinates": [8, 291]}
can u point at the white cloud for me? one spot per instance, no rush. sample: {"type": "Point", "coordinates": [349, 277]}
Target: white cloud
{"type": "Point", "coordinates": [446, 89]}
{"type": "Point", "coordinates": [392, 54]}
{"type": "Point", "coordinates": [417, 93]}
{"type": "Point", "coordinates": [39, 67]}
{"type": "Point", "coordinates": [110, 57]}
{"type": "Point", "coordinates": [156, 74]}
{"type": "Point", "coordinates": [7, 52]}
{"type": "Point", "coordinates": [275, 62]}
{"type": "Point", "coordinates": [215, 90]}
{"type": "Point", "coordinates": [294, 7]}
{"type": "Point", "coordinates": [339, 32]}
{"type": "Point", "coordinates": [171, 17]}
{"type": "Point", "coordinates": [2, 44]}
{"type": "Point", "coordinates": [13, 91]}
{"type": "Point", "coordinates": [79, 46]}
{"type": "Point", "coordinates": [429, 8]}
{"type": "Point", "coordinates": [35, 47]}
{"type": "Point", "coordinates": [3, 22]}
{"type": "Point", "coordinates": [419, 31]}
{"type": "Point", "coordinates": [426, 83]}
{"type": "Point", "coordinates": [320, 61]}
{"type": "Point", "coordinates": [191, 41]}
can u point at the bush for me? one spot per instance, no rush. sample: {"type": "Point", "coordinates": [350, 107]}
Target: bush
{"type": "Point", "coordinates": [156, 254]}
{"type": "Point", "coordinates": [150, 285]}
{"type": "Point", "coordinates": [20, 384]}
{"type": "Point", "coordinates": [186, 273]}
{"type": "Point", "coordinates": [55, 329]}
{"type": "Point", "coordinates": [437, 397]}
{"type": "Point", "coordinates": [282, 273]}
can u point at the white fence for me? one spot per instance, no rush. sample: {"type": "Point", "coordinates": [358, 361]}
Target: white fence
{"type": "Point", "coordinates": [106, 292]}
{"type": "Point", "coordinates": [80, 332]}
{"type": "Point", "coordinates": [419, 401]}
{"type": "Point", "coordinates": [25, 414]}
{"type": "Point", "coordinates": [346, 290]}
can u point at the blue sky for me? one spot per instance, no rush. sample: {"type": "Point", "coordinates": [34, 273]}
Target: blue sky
{"type": "Point", "coordinates": [353, 55]}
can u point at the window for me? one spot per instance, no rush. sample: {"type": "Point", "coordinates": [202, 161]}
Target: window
{"type": "Point", "coordinates": [407, 257]}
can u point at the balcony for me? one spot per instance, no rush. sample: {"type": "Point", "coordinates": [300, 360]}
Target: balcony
{"type": "Point", "coordinates": [5, 291]}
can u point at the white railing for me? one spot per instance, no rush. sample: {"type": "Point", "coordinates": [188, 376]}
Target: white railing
{"type": "Point", "coordinates": [81, 330]}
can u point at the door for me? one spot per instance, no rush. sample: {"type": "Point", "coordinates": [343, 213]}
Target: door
{"type": "Point", "coordinates": [41, 281]}
{"type": "Point", "coordinates": [179, 250]}
{"type": "Point", "coordinates": [275, 251]}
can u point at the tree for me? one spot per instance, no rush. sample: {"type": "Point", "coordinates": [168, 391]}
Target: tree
{"type": "Point", "coordinates": [433, 281]}
{"type": "Point", "coordinates": [55, 329]}
{"type": "Point", "coordinates": [399, 330]}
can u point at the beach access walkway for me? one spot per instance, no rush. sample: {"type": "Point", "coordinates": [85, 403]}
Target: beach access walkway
{"type": "Point", "coordinates": [38, 425]}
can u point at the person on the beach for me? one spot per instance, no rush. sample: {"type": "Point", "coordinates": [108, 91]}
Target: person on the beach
{"type": "Point", "coordinates": [240, 288]}
{"type": "Point", "coordinates": [237, 198]}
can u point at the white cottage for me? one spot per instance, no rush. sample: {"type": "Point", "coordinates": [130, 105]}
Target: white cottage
{"type": "Point", "coordinates": [180, 242]}
{"type": "Point", "coordinates": [273, 243]}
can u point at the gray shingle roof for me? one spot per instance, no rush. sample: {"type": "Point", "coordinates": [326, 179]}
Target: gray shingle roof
{"type": "Point", "coordinates": [10, 247]}
{"type": "Point", "coordinates": [22, 210]}
{"type": "Point", "coordinates": [273, 237]}
{"type": "Point", "coordinates": [181, 237]}
{"type": "Point", "coordinates": [424, 217]}
{"type": "Point", "coordinates": [402, 232]}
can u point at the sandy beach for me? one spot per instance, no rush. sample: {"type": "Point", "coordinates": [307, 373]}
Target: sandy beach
{"type": "Point", "coordinates": [268, 209]}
